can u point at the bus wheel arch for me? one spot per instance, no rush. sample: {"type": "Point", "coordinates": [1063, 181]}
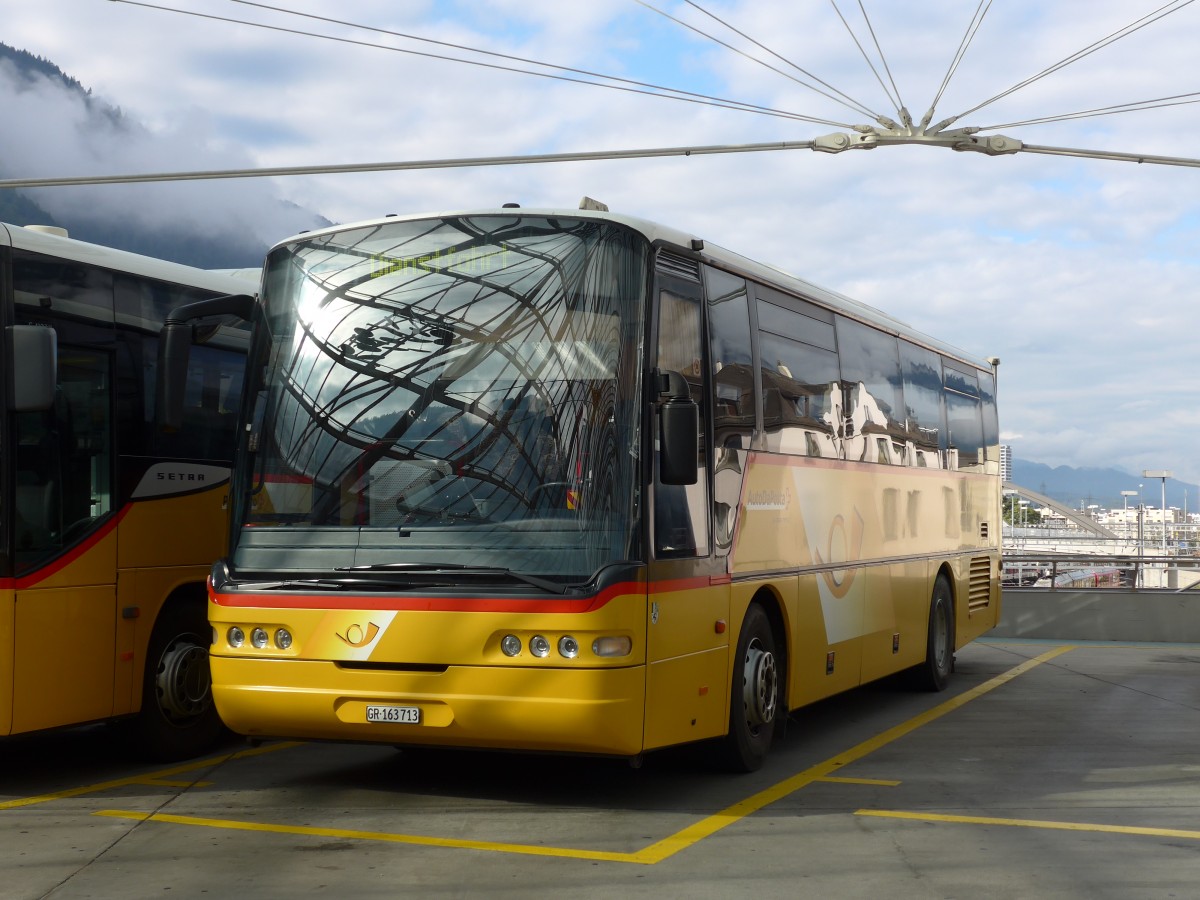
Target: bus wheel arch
{"type": "Point", "coordinates": [177, 718]}
{"type": "Point", "coordinates": [757, 699]}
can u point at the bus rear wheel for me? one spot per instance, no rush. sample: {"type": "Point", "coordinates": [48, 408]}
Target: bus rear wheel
{"type": "Point", "coordinates": [178, 718]}
{"type": "Point", "coordinates": [934, 673]}
{"type": "Point", "coordinates": [754, 695]}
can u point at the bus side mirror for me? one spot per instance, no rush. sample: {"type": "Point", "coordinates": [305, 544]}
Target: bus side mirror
{"type": "Point", "coordinates": [678, 431]}
{"type": "Point", "coordinates": [174, 348]}
{"type": "Point", "coordinates": [32, 367]}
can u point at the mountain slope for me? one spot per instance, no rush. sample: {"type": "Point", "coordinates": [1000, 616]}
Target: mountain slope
{"type": "Point", "coordinates": [212, 225]}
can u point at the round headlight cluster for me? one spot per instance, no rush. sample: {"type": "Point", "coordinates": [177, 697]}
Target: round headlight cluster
{"type": "Point", "coordinates": [260, 638]}
{"type": "Point", "coordinates": [568, 647]}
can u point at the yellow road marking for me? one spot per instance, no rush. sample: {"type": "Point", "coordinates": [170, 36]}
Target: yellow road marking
{"type": "Point", "coordinates": [1033, 823]}
{"type": "Point", "coordinates": [151, 778]}
{"type": "Point", "coordinates": [669, 846]}
{"type": "Point", "coordinates": [877, 781]}
{"type": "Point", "coordinates": [236, 825]}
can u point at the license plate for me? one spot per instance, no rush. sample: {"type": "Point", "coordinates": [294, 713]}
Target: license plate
{"type": "Point", "coordinates": [407, 715]}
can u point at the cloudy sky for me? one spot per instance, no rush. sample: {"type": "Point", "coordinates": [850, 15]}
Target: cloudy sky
{"type": "Point", "coordinates": [1081, 275]}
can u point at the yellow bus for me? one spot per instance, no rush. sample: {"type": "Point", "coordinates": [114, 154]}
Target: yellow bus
{"type": "Point", "coordinates": [568, 481]}
{"type": "Point", "coordinates": [108, 528]}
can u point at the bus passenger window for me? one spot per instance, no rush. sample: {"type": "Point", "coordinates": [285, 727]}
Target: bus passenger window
{"type": "Point", "coordinates": [875, 424]}
{"type": "Point", "coordinates": [964, 416]}
{"type": "Point", "coordinates": [923, 415]}
{"type": "Point", "coordinates": [802, 402]}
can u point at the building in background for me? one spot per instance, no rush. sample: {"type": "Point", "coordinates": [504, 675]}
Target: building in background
{"type": "Point", "coordinates": [1006, 463]}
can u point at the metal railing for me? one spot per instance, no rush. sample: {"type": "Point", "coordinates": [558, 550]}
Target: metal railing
{"type": "Point", "coordinates": [1065, 571]}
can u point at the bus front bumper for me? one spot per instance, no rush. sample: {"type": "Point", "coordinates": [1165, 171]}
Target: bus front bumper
{"type": "Point", "coordinates": [595, 711]}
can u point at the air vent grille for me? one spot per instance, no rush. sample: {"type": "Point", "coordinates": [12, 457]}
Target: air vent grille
{"type": "Point", "coordinates": [679, 266]}
{"type": "Point", "coordinates": [979, 589]}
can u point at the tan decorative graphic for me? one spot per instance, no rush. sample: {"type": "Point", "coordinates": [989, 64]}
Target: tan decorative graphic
{"type": "Point", "coordinates": [848, 549]}
{"type": "Point", "coordinates": [356, 637]}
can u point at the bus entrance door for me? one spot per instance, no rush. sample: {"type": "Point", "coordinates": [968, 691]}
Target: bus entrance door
{"type": "Point", "coordinates": [64, 618]}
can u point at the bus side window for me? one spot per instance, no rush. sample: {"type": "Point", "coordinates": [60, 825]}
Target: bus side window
{"type": "Point", "coordinates": [802, 400]}
{"type": "Point", "coordinates": [964, 416]}
{"type": "Point", "coordinates": [923, 412]}
{"type": "Point", "coordinates": [681, 512]}
{"type": "Point", "coordinates": [874, 420]}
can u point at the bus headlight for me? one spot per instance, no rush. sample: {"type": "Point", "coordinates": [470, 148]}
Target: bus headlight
{"type": "Point", "coordinates": [613, 646]}
{"type": "Point", "coordinates": [568, 647]}
{"type": "Point", "coordinates": [511, 645]}
{"type": "Point", "coordinates": [539, 646]}
{"type": "Point", "coordinates": [236, 636]}
{"type": "Point", "coordinates": [283, 639]}
{"type": "Point", "coordinates": [258, 638]}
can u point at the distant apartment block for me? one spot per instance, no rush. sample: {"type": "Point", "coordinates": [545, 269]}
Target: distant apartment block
{"type": "Point", "coordinates": [1006, 463]}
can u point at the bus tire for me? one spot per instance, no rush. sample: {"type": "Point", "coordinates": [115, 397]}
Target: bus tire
{"type": "Point", "coordinates": [178, 718]}
{"type": "Point", "coordinates": [754, 695]}
{"type": "Point", "coordinates": [934, 673]}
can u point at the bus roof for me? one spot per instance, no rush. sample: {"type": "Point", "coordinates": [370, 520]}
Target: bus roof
{"type": "Point", "coordinates": [229, 281]}
{"type": "Point", "coordinates": [710, 253]}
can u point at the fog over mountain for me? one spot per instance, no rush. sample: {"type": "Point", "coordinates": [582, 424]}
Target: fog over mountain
{"type": "Point", "coordinates": [58, 128]}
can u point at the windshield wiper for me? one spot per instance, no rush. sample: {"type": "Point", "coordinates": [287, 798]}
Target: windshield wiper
{"type": "Point", "coordinates": [449, 568]}
{"type": "Point", "coordinates": [327, 584]}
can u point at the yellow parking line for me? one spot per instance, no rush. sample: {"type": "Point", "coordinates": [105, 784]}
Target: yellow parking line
{"type": "Point", "coordinates": [146, 777]}
{"type": "Point", "coordinates": [351, 834]}
{"type": "Point", "coordinates": [1033, 823]}
{"type": "Point", "coordinates": [711, 825]}
{"type": "Point", "coordinates": [881, 782]}
{"type": "Point", "coordinates": [669, 846]}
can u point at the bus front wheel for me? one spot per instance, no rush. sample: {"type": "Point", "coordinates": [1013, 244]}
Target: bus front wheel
{"type": "Point", "coordinates": [178, 718]}
{"type": "Point", "coordinates": [754, 695]}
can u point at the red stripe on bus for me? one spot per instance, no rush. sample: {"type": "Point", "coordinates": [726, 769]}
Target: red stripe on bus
{"type": "Point", "coordinates": [427, 604]}
{"type": "Point", "coordinates": [58, 564]}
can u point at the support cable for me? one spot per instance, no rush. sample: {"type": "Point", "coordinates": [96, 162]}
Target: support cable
{"type": "Point", "coordinates": [972, 28]}
{"type": "Point", "coordinates": [857, 107]}
{"type": "Point", "coordinates": [1137, 106]}
{"type": "Point", "coordinates": [1136, 25]}
{"type": "Point", "coordinates": [598, 155]}
{"type": "Point", "coordinates": [851, 102]}
{"type": "Point", "coordinates": [893, 100]}
{"type": "Point", "coordinates": [675, 93]}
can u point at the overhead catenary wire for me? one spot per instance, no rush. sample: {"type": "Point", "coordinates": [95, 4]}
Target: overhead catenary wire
{"type": "Point", "coordinates": [893, 99]}
{"type": "Point", "coordinates": [1136, 25]}
{"type": "Point", "coordinates": [882, 56]}
{"type": "Point", "coordinates": [670, 93]}
{"type": "Point", "coordinates": [972, 29]}
{"type": "Point", "coordinates": [849, 101]}
{"type": "Point", "coordinates": [1136, 106]}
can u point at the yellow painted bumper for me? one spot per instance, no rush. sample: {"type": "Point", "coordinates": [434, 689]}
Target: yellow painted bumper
{"type": "Point", "coordinates": [561, 710]}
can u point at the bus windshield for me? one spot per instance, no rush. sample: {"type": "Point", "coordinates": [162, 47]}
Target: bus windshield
{"type": "Point", "coordinates": [447, 391]}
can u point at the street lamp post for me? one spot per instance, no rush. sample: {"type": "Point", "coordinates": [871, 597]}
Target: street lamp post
{"type": "Point", "coordinates": [1125, 495]}
{"type": "Point", "coordinates": [1164, 474]}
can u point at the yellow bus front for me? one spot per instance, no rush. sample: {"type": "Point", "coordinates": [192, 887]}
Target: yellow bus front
{"type": "Point", "coordinates": [500, 672]}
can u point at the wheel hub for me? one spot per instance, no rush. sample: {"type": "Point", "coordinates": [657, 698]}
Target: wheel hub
{"type": "Point", "coordinates": [183, 682]}
{"type": "Point", "coordinates": [760, 684]}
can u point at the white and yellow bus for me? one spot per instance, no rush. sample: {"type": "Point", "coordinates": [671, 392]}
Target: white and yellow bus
{"type": "Point", "coordinates": [567, 481]}
{"type": "Point", "coordinates": [108, 528]}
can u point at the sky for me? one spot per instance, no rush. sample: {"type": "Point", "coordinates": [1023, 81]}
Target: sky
{"type": "Point", "coordinates": [1080, 275]}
